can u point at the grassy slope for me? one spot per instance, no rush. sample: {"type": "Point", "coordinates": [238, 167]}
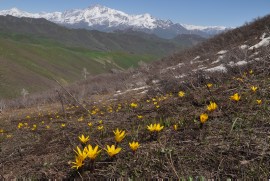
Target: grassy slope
{"type": "Point", "coordinates": [31, 62]}
{"type": "Point", "coordinates": [233, 143]}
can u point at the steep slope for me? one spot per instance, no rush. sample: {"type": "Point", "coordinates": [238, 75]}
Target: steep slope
{"type": "Point", "coordinates": [102, 18]}
{"type": "Point", "coordinates": [189, 122]}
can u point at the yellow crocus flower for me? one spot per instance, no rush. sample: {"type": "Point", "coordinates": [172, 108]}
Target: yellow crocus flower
{"type": "Point", "coordinates": [82, 154]}
{"type": "Point", "coordinates": [119, 135]}
{"type": "Point", "coordinates": [139, 116]}
{"type": "Point", "coordinates": [181, 94]}
{"type": "Point", "coordinates": [254, 88]}
{"type": "Point", "coordinates": [235, 97]}
{"type": "Point", "coordinates": [78, 163]}
{"type": "Point", "coordinates": [209, 85]}
{"type": "Point", "coordinates": [151, 128]}
{"type": "Point", "coordinates": [155, 127]}
{"type": "Point", "coordinates": [158, 127]}
{"type": "Point", "coordinates": [134, 145]}
{"type": "Point", "coordinates": [175, 127]}
{"type": "Point", "coordinates": [133, 105]}
{"type": "Point", "coordinates": [92, 153]}
{"type": "Point", "coordinates": [212, 106]}
{"type": "Point", "coordinates": [203, 118]}
{"type": "Point", "coordinates": [83, 139]}
{"type": "Point", "coordinates": [100, 128]}
{"type": "Point", "coordinates": [111, 150]}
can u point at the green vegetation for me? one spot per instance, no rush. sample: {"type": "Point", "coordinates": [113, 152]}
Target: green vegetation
{"type": "Point", "coordinates": [32, 64]}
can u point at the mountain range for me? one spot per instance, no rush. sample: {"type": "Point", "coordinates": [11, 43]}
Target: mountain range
{"type": "Point", "coordinates": [101, 18]}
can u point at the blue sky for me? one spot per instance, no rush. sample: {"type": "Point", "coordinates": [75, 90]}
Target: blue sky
{"type": "Point", "coordinates": [197, 12]}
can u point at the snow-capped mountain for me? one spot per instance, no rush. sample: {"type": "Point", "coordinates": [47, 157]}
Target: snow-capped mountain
{"type": "Point", "coordinates": [102, 18]}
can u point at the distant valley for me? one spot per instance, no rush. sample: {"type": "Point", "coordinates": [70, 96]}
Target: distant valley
{"type": "Point", "coordinates": [33, 51]}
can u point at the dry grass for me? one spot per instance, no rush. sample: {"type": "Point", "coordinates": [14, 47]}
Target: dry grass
{"type": "Point", "coordinates": [233, 143]}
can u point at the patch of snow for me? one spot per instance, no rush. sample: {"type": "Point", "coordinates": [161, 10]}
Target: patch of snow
{"type": "Point", "coordinates": [143, 92]}
{"type": "Point", "coordinates": [254, 54]}
{"type": "Point", "coordinates": [175, 66]}
{"type": "Point", "coordinates": [221, 57]}
{"type": "Point", "coordinates": [243, 47]}
{"type": "Point", "coordinates": [130, 90]}
{"type": "Point", "coordinates": [155, 81]}
{"type": "Point", "coordinates": [263, 43]}
{"type": "Point", "coordinates": [180, 76]}
{"type": "Point", "coordinates": [231, 63]}
{"type": "Point", "coordinates": [263, 36]}
{"type": "Point", "coordinates": [199, 68]}
{"type": "Point", "coordinates": [257, 59]}
{"type": "Point", "coordinates": [222, 52]}
{"type": "Point", "coordinates": [172, 67]}
{"type": "Point", "coordinates": [193, 60]}
{"type": "Point", "coordinates": [220, 68]}
{"type": "Point", "coordinates": [242, 62]}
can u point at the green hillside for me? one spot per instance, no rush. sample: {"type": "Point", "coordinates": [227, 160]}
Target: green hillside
{"type": "Point", "coordinates": [31, 65]}
{"type": "Point", "coordinates": [33, 51]}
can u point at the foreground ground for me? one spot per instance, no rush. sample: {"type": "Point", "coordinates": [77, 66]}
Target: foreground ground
{"type": "Point", "coordinates": [39, 142]}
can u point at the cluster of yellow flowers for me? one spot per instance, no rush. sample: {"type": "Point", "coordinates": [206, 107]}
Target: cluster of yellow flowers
{"type": "Point", "coordinates": [155, 127]}
{"type": "Point", "coordinates": [89, 152]}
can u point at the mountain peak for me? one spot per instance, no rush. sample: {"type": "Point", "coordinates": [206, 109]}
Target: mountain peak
{"type": "Point", "coordinates": [102, 18]}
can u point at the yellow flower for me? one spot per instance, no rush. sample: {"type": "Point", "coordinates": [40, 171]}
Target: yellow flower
{"type": "Point", "coordinates": [100, 128]}
{"type": "Point", "coordinates": [175, 127]}
{"type": "Point", "coordinates": [157, 106]}
{"type": "Point", "coordinates": [159, 128]}
{"type": "Point", "coordinates": [119, 135]}
{"type": "Point", "coordinates": [139, 116]}
{"type": "Point", "coordinates": [2, 131]}
{"type": "Point", "coordinates": [47, 127]}
{"type": "Point", "coordinates": [20, 125]}
{"type": "Point", "coordinates": [90, 124]}
{"type": "Point", "coordinates": [259, 101]}
{"type": "Point", "coordinates": [78, 163]}
{"type": "Point", "coordinates": [133, 105]}
{"type": "Point", "coordinates": [203, 117]}
{"type": "Point", "coordinates": [235, 97]}
{"type": "Point", "coordinates": [212, 106]}
{"type": "Point", "coordinates": [251, 72]}
{"type": "Point", "coordinates": [209, 85]}
{"type": "Point", "coordinates": [254, 88]}
{"type": "Point", "coordinates": [9, 136]}
{"type": "Point", "coordinates": [92, 153]}
{"type": "Point", "coordinates": [134, 145]}
{"type": "Point", "coordinates": [34, 127]}
{"type": "Point", "coordinates": [181, 94]}
{"type": "Point", "coordinates": [63, 125]}
{"type": "Point", "coordinates": [111, 150]}
{"type": "Point", "coordinates": [151, 128]}
{"type": "Point", "coordinates": [81, 154]}
{"type": "Point", "coordinates": [100, 121]}
{"type": "Point", "coordinates": [80, 119]}
{"type": "Point", "coordinates": [155, 127]}
{"type": "Point", "coordinates": [83, 139]}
